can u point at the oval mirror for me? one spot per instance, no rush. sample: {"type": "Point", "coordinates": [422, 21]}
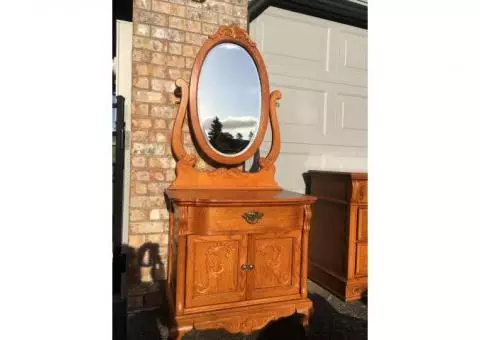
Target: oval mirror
{"type": "Point", "coordinates": [228, 111]}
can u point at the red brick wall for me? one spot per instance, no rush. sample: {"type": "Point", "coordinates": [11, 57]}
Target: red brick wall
{"type": "Point", "coordinates": [166, 38]}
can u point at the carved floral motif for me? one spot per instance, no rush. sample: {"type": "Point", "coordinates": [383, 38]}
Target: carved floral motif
{"type": "Point", "coordinates": [232, 31]}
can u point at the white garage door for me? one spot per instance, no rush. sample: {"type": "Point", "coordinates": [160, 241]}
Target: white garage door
{"type": "Point", "coordinates": [321, 69]}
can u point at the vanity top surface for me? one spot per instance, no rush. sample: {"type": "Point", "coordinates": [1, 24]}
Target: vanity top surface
{"type": "Point", "coordinates": [220, 197]}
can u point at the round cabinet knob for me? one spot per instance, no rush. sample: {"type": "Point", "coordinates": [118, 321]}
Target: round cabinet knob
{"type": "Point", "coordinates": [247, 267]}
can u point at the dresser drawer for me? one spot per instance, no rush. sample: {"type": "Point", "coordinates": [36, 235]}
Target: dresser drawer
{"type": "Point", "coordinates": [361, 265]}
{"type": "Point", "coordinates": [248, 219]}
{"type": "Point", "coordinates": [362, 226]}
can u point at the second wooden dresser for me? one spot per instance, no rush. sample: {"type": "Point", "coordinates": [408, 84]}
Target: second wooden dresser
{"type": "Point", "coordinates": [339, 232]}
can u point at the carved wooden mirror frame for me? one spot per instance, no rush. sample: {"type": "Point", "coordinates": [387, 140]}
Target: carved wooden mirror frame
{"type": "Point", "coordinates": [189, 177]}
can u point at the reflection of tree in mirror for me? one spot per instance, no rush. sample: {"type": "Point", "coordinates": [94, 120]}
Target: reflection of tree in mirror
{"type": "Point", "coordinates": [224, 141]}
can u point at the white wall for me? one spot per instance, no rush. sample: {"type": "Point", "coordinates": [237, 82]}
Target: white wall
{"type": "Point", "coordinates": [321, 69]}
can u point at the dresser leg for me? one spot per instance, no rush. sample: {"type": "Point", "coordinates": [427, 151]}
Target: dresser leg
{"type": "Point", "coordinates": [178, 333]}
{"type": "Point", "coordinates": [307, 315]}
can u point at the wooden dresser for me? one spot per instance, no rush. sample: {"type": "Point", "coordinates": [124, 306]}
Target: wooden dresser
{"type": "Point", "coordinates": [339, 233]}
{"type": "Point", "coordinates": [238, 260]}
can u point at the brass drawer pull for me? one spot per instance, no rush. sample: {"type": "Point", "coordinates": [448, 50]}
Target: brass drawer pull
{"type": "Point", "coordinates": [252, 217]}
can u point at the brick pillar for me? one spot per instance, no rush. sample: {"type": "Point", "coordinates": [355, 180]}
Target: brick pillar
{"type": "Point", "coordinates": [166, 38]}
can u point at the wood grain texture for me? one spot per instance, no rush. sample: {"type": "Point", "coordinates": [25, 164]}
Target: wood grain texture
{"type": "Point", "coordinates": [244, 319]}
{"type": "Point", "coordinates": [238, 197]}
{"type": "Point", "coordinates": [277, 264]}
{"type": "Point", "coordinates": [230, 219]}
{"type": "Point", "coordinates": [338, 247]}
{"type": "Point", "coordinates": [305, 238]}
{"type": "Point", "coordinates": [214, 272]}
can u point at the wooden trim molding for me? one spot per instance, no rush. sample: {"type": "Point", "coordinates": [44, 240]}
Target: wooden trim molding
{"type": "Point", "coordinates": [341, 11]}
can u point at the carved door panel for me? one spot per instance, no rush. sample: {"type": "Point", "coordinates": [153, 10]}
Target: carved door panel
{"type": "Point", "coordinates": [214, 273]}
{"type": "Point", "coordinates": [276, 264]}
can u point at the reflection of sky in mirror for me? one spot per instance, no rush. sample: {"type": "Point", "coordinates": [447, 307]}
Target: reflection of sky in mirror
{"type": "Point", "coordinates": [229, 87]}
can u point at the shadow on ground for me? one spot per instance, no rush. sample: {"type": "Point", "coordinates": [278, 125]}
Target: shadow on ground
{"type": "Point", "coordinates": [332, 319]}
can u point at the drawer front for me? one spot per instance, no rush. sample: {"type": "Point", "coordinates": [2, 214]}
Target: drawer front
{"type": "Point", "coordinates": [246, 219]}
{"type": "Point", "coordinates": [362, 226]}
{"type": "Point", "coordinates": [361, 262]}
{"type": "Point", "coordinates": [360, 192]}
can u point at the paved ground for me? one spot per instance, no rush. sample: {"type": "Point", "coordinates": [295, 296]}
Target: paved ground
{"type": "Point", "coordinates": [332, 320]}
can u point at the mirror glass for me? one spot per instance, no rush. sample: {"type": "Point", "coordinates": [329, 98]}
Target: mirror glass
{"type": "Point", "coordinates": [229, 99]}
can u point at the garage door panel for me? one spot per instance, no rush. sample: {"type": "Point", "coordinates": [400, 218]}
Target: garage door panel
{"type": "Point", "coordinates": [281, 65]}
{"type": "Point", "coordinates": [349, 61]}
{"type": "Point", "coordinates": [277, 32]}
{"type": "Point", "coordinates": [321, 69]}
{"type": "Point", "coordinates": [354, 51]}
{"type": "Point", "coordinates": [354, 112]}
{"type": "Point", "coordinates": [302, 106]}
{"type": "Point", "coordinates": [320, 113]}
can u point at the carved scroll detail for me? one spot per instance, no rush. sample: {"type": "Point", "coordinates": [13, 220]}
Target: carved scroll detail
{"type": "Point", "coordinates": [307, 218]}
{"type": "Point", "coordinates": [232, 31]}
{"type": "Point", "coordinates": [272, 256]}
{"type": "Point", "coordinates": [215, 257]}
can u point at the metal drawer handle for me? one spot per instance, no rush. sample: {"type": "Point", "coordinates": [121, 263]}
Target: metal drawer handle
{"type": "Point", "coordinates": [252, 217]}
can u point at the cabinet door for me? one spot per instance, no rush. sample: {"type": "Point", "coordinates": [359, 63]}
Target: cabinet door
{"type": "Point", "coordinates": [213, 269]}
{"type": "Point", "coordinates": [276, 264]}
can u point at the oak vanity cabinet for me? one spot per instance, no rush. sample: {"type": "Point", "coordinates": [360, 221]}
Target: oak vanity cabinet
{"type": "Point", "coordinates": [246, 259]}
{"type": "Point", "coordinates": [238, 242]}
{"type": "Point", "coordinates": [338, 248]}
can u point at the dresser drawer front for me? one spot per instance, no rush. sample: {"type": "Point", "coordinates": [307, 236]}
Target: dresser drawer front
{"type": "Point", "coordinates": [247, 219]}
{"type": "Point", "coordinates": [361, 263]}
{"type": "Point", "coordinates": [362, 226]}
